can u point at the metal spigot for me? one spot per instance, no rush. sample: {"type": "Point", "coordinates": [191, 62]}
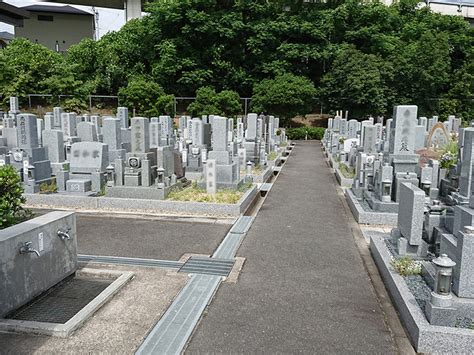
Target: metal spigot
{"type": "Point", "coordinates": [26, 248]}
{"type": "Point", "coordinates": [64, 235]}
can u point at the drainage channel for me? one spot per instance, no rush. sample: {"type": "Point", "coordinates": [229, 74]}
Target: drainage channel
{"type": "Point", "coordinates": [209, 266]}
{"type": "Point", "coordinates": [172, 332]}
{"type": "Point", "coordinates": [100, 259]}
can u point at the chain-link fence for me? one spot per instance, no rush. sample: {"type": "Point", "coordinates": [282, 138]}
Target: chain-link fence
{"type": "Point", "coordinates": [96, 104]}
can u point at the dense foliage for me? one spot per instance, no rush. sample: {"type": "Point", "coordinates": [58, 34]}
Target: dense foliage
{"type": "Point", "coordinates": [145, 97]}
{"type": "Point", "coordinates": [305, 133]}
{"type": "Point", "coordinates": [11, 198]}
{"type": "Point", "coordinates": [286, 96]}
{"type": "Point", "coordinates": [361, 56]}
{"type": "Point", "coordinates": [208, 102]}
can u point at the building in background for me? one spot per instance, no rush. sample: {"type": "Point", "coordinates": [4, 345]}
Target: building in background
{"type": "Point", "coordinates": [5, 37]}
{"type": "Point", "coordinates": [56, 27]}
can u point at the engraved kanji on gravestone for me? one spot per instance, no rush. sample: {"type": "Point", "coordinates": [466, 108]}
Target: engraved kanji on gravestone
{"type": "Point", "coordinates": [405, 132]}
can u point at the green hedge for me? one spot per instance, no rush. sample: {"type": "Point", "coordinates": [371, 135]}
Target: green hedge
{"type": "Point", "coordinates": [301, 132]}
{"type": "Point", "coordinates": [11, 198]}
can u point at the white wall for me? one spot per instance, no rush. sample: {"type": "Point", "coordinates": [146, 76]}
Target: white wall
{"type": "Point", "coordinates": [67, 29]}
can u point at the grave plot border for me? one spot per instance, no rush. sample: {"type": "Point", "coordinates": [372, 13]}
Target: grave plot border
{"type": "Point", "coordinates": [426, 338]}
{"type": "Point", "coordinates": [365, 217]}
{"type": "Point", "coordinates": [114, 204]}
{"type": "Point", "coordinates": [66, 329]}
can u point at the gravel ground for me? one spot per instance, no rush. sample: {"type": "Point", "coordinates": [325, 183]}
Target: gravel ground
{"type": "Point", "coordinates": [118, 327]}
{"type": "Point", "coordinates": [418, 287]}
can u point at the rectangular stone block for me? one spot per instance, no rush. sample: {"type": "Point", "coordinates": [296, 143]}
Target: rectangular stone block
{"type": "Point", "coordinates": [77, 185]}
{"type": "Point", "coordinates": [403, 135]}
{"type": "Point", "coordinates": [411, 213]}
{"type": "Point", "coordinates": [25, 276]}
{"type": "Point", "coordinates": [140, 135]}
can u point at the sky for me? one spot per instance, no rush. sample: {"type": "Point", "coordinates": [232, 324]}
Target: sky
{"type": "Point", "coordinates": [109, 19]}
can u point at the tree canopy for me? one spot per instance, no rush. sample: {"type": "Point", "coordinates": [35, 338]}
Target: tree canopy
{"type": "Point", "coordinates": [360, 56]}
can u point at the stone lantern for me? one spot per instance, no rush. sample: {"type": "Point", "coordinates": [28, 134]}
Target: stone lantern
{"type": "Point", "coordinates": [249, 168]}
{"type": "Point", "coordinates": [110, 175]}
{"type": "Point", "coordinates": [444, 275]}
{"type": "Point", "coordinates": [439, 310]}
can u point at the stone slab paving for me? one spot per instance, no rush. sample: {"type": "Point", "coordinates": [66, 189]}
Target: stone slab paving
{"type": "Point", "coordinates": [303, 287]}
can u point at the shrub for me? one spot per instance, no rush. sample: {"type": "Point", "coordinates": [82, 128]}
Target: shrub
{"type": "Point", "coordinates": [46, 188]}
{"type": "Point", "coordinates": [302, 132]}
{"type": "Point", "coordinates": [11, 198]}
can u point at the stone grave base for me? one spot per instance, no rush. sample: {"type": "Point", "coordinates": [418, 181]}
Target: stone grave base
{"type": "Point", "coordinates": [138, 192]}
{"type": "Point", "coordinates": [379, 206]}
{"type": "Point", "coordinates": [114, 204]}
{"type": "Point", "coordinates": [263, 176]}
{"type": "Point", "coordinates": [426, 338]}
{"type": "Point", "coordinates": [343, 181]}
{"type": "Point", "coordinates": [194, 175]}
{"type": "Point", "coordinates": [363, 214]}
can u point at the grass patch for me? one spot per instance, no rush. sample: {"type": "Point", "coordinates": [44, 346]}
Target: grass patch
{"type": "Point", "coordinates": [272, 156]}
{"type": "Point", "coordinates": [194, 193]}
{"type": "Point", "coordinates": [346, 171]}
{"type": "Point", "coordinates": [256, 170]}
{"type": "Point", "coordinates": [406, 266]}
{"type": "Point", "coordinates": [283, 144]}
{"type": "Point", "coordinates": [102, 192]}
{"type": "Point", "coordinates": [48, 188]}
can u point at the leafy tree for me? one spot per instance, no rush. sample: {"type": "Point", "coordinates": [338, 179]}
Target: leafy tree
{"type": "Point", "coordinates": [32, 68]}
{"type": "Point", "coordinates": [11, 198]}
{"type": "Point", "coordinates": [412, 55]}
{"type": "Point", "coordinates": [208, 102]}
{"type": "Point", "coordinates": [358, 82]}
{"type": "Point", "coordinates": [229, 103]}
{"type": "Point", "coordinates": [205, 103]}
{"type": "Point", "coordinates": [287, 95]}
{"type": "Point", "coordinates": [146, 97]}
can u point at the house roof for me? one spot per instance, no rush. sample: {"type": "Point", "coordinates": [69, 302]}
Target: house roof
{"type": "Point", "coordinates": [66, 9]}
{"type": "Point", "coordinates": [6, 35]}
{"type": "Point", "coordinates": [12, 15]}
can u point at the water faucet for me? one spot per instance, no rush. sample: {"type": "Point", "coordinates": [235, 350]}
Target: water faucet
{"type": "Point", "coordinates": [64, 235]}
{"type": "Point", "coordinates": [26, 248]}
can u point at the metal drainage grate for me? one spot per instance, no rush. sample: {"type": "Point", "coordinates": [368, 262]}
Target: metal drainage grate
{"type": "Point", "coordinates": [168, 264]}
{"type": "Point", "coordinates": [208, 266]}
{"type": "Point", "coordinates": [63, 301]}
{"type": "Point", "coordinates": [242, 225]}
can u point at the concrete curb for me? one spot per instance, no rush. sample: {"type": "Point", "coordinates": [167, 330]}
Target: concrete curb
{"type": "Point", "coordinates": [111, 204]}
{"type": "Point", "coordinates": [364, 217]}
{"type": "Point", "coordinates": [341, 179]}
{"type": "Point", "coordinates": [425, 337]}
{"type": "Point", "coordinates": [66, 329]}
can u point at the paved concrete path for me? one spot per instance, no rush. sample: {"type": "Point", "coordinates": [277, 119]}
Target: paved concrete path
{"type": "Point", "coordinates": [303, 287]}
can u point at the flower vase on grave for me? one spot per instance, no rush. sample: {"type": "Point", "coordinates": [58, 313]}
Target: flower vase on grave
{"type": "Point", "coordinates": [452, 172]}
